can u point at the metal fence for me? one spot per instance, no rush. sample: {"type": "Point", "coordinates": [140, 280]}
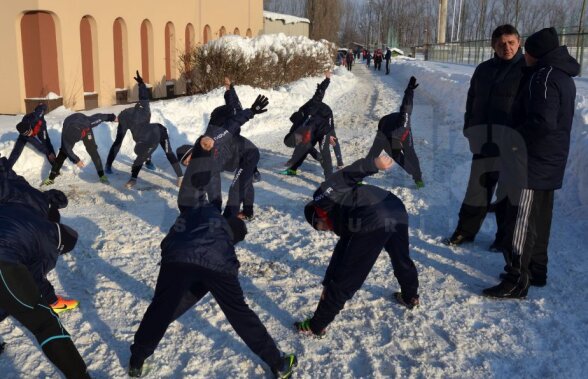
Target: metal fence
{"type": "Point", "coordinates": [475, 52]}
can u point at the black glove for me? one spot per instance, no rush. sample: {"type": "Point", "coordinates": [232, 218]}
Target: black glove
{"type": "Point", "coordinates": [138, 78]}
{"type": "Point", "coordinates": [259, 104]}
{"type": "Point", "coordinates": [412, 84]}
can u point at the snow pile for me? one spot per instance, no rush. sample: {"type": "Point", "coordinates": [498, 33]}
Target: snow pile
{"type": "Point", "coordinates": [277, 45]}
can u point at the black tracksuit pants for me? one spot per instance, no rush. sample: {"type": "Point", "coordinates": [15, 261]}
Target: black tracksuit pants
{"type": "Point", "coordinates": [527, 256]}
{"type": "Point", "coordinates": [302, 150]}
{"type": "Point", "coordinates": [21, 299]}
{"type": "Point", "coordinates": [241, 189]}
{"type": "Point", "coordinates": [484, 175]}
{"type": "Point", "coordinates": [92, 149]}
{"type": "Point", "coordinates": [37, 143]}
{"type": "Point", "coordinates": [144, 152]}
{"type": "Point", "coordinates": [179, 287]}
{"type": "Point", "coordinates": [352, 261]}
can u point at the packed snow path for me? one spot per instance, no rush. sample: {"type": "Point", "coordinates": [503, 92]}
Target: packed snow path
{"type": "Point", "coordinates": [455, 333]}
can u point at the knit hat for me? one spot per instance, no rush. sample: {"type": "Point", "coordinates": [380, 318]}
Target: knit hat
{"type": "Point", "coordinates": [183, 151]}
{"type": "Point", "coordinates": [542, 42]}
{"type": "Point", "coordinates": [238, 229]}
{"type": "Point", "coordinates": [67, 239]}
{"type": "Point", "coordinates": [310, 214]}
{"type": "Point", "coordinates": [23, 127]}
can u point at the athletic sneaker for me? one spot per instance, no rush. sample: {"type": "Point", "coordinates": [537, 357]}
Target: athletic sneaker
{"type": "Point", "coordinates": [288, 172]}
{"type": "Point", "coordinates": [304, 328]}
{"type": "Point", "coordinates": [131, 183]}
{"type": "Point", "coordinates": [289, 361]}
{"type": "Point", "coordinates": [62, 305]}
{"type": "Point", "coordinates": [104, 179]}
{"type": "Point", "coordinates": [508, 290]}
{"type": "Point", "coordinates": [47, 182]}
{"type": "Point", "coordinates": [413, 302]}
{"type": "Point", "coordinates": [150, 166]}
{"type": "Point", "coordinates": [457, 239]}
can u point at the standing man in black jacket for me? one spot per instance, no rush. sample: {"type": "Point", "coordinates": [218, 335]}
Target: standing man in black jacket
{"type": "Point", "coordinates": [387, 58]}
{"type": "Point", "coordinates": [488, 115]}
{"type": "Point", "coordinates": [198, 257]}
{"type": "Point", "coordinates": [78, 127]}
{"type": "Point", "coordinates": [367, 219]}
{"type": "Point", "coordinates": [543, 113]}
{"type": "Point", "coordinates": [33, 129]}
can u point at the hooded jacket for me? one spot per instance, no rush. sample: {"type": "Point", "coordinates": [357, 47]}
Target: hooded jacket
{"type": "Point", "coordinates": [543, 115]}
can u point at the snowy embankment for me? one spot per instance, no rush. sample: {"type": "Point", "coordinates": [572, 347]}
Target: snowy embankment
{"type": "Point", "coordinates": [456, 333]}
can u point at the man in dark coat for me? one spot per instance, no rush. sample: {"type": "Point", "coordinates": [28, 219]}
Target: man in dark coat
{"type": "Point", "coordinates": [394, 136]}
{"type": "Point", "coordinates": [543, 113]}
{"type": "Point", "coordinates": [33, 129]}
{"type": "Point", "coordinates": [313, 123]}
{"type": "Point", "coordinates": [30, 245]}
{"type": "Point", "coordinates": [146, 136]}
{"type": "Point", "coordinates": [388, 57]}
{"type": "Point", "coordinates": [367, 219]}
{"type": "Point", "coordinates": [198, 257]}
{"type": "Point", "coordinates": [488, 119]}
{"type": "Point", "coordinates": [78, 127]}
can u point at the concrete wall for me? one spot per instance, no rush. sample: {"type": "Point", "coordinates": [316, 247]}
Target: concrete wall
{"type": "Point", "coordinates": [67, 17]}
{"type": "Point", "coordinates": [278, 26]}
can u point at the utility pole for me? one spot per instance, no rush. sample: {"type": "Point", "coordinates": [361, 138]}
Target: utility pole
{"type": "Point", "coordinates": [442, 22]}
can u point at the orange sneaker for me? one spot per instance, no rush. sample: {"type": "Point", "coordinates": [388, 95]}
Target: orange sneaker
{"type": "Point", "coordinates": [62, 305]}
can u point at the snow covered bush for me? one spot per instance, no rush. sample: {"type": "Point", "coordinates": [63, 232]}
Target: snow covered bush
{"type": "Point", "coordinates": [264, 62]}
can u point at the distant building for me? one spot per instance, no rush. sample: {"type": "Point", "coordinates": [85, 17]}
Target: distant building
{"type": "Point", "coordinates": [274, 23]}
{"type": "Point", "coordinates": [85, 53]}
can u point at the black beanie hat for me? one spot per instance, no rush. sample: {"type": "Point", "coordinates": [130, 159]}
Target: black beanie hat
{"type": "Point", "coordinates": [238, 228]}
{"type": "Point", "coordinates": [542, 42]}
{"type": "Point", "coordinates": [310, 214]}
{"type": "Point", "coordinates": [67, 239]}
{"type": "Point", "coordinates": [183, 151]}
{"type": "Point", "coordinates": [23, 127]}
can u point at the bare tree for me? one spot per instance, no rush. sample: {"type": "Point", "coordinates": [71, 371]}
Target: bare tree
{"type": "Point", "coordinates": [324, 16]}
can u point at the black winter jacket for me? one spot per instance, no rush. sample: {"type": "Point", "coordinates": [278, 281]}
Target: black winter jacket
{"type": "Point", "coordinates": [30, 239]}
{"type": "Point", "coordinates": [14, 189]}
{"type": "Point", "coordinates": [201, 236]}
{"type": "Point", "coordinates": [492, 91]}
{"type": "Point", "coordinates": [76, 127]}
{"type": "Point", "coordinates": [354, 208]}
{"type": "Point", "coordinates": [543, 115]}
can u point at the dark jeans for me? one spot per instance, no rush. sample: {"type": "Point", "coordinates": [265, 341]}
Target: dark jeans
{"type": "Point", "coordinates": [179, 287]}
{"type": "Point", "coordinates": [21, 299]}
{"type": "Point", "coordinates": [484, 176]}
{"type": "Point", "coordinates": [352, 261]}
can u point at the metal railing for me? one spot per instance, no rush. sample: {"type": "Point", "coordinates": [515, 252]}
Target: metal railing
{"type": "Point", "coordinates": [475, 52]}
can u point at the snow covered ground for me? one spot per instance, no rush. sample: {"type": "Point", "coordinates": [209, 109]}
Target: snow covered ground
{"type": "Point", "coordinates": [455, 333]}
